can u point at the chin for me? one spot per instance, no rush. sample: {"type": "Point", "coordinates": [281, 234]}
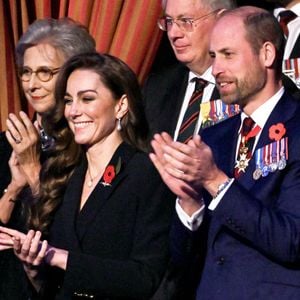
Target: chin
{"type": "Point", "coordinates": [183, 57]}
{"type": "Point", "coordinates": [80, 140]}
{"type": "Point", "coordinates": [229, 99]}
{"type": "Point", "coordinates": [41, 109]}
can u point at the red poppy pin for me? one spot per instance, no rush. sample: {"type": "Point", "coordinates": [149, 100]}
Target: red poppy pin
{"type": "Point", "coordinates": [110, 173]}
{"type": "Point", "coordinates": [277, 131]}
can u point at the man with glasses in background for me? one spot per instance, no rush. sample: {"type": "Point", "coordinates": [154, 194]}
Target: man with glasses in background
{"type": "Point", "coordinates": [188, 24]}
{"type": "Point", "coordinates": [167, 95]}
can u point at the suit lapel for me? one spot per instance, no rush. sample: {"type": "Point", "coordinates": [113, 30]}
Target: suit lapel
{"type": "Point", "coordinates": [296, 50]}
{"type": "Point", "coordinates": [282, 112]}
{"type": "Point", "coordinates": [176, 93]}
{"type": "Point", "coordinates": [221, 134]}
{"type": "Point", "coordinates": [215, 94]}
{"type": "Point", "coordinates": [71, 201]}
{"type": "Point", "coordinates": [101, 194]}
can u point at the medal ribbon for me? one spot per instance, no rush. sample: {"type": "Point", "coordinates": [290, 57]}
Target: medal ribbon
{"type": "Point", "coordinates": [253, 133]}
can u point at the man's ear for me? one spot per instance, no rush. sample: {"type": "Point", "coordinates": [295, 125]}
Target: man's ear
{"type": "Point", "coordinates": [268, 54]}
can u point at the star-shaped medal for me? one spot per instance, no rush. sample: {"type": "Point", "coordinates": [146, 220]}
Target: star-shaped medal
{"type": "Point", "coordinates": [242, 163]}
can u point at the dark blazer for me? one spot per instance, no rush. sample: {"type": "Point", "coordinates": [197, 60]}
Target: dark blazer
{"type": "Point", "coordinates": [287, 82]}
{"type": "Point", "coordinates": [253, 246]}
{"type": "Point", "coordinates": [296, 49]}
{"type": "Point", "coordinates": [5, 151]}
{"type": "Point", "coordinates": [13, 280]}
{"type": "Point", "coordinates": [163, 94]}
{"type": "Point", "coordinates": [118, 243]}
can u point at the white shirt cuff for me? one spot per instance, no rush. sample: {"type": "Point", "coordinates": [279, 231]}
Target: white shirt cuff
{"type": "Point", "coordinates": [192, 222]}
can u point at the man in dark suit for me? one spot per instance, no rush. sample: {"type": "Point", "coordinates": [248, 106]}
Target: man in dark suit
{"type": "Point", "coordinates": [288, 14]}
{"type": "Point", "coordinates": [188, 24]}
{"type": "Point", "coordinates": [240, 184]}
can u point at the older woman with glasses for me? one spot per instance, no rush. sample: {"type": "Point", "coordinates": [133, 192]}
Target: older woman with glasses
{"type": "Point", "coordinates": [40, 53]}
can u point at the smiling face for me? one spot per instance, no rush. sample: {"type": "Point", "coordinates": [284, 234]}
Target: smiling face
{"type": "Point", "coordinates": [90, 109]}
{"type": "Point", "coordinates": [40, 94]}
{"type": "Point", "coordinates": [240, 73]}
{"type": "Point", "coordinates": [190, 48]}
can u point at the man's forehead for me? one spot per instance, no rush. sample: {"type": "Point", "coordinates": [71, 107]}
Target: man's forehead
{"type": "Point", "coordinates": [226, 31]}
{"type": "Point", "coordinates": [229, 24]}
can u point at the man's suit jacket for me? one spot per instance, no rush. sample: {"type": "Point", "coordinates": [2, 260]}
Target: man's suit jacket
{"type": "Point", "coordinates": [119, 241]}
{"type": "Point", "coordinates": [296, 49]}
{"type": "Point", "coordinates": [163, 95]}
{"type": "Point", "coordinates": [289, 85]}
{"type": "Point", "coordinates": [287, 82]}
{"type": "Point", "coordinates": [253, 245]}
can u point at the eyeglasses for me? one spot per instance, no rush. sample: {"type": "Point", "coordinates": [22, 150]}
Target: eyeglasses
{"type": "Point", "coordinates": [43, 73]}
{"type": "Point", "coordinates": [187, 24]}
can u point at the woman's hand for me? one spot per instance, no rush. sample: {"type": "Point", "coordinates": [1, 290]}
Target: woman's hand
{"type": "Point", "coordinates": [6, 241]}
{"type": "Point", "coordinates": [31, 250]}
{"type": "Point", "coordinates": [17, 183]}
{"type": "Point", "coordinates": [18, 178]}
{"type": "Point", "coordinates": [24, 139]}
{"type": "Point", "coordinates": [7, 237]}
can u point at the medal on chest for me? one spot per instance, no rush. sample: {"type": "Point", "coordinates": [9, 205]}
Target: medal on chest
{"type": "Point", "coordinates": [244, 152]}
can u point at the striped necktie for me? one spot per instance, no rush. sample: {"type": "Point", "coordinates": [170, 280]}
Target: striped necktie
{"type": "Point", "coordinates": [190, 118]}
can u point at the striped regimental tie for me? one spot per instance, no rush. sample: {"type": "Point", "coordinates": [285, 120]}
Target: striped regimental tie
{"type": "Point", "coordinates": [190, 118]}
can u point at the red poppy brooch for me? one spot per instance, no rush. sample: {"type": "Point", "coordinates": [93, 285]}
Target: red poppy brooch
{"type": "Point", "coordinates": [110, 173]}
{"type": "Point", "coordinates": [277, 131]}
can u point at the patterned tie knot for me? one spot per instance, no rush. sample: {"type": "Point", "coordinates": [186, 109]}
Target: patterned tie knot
{"type": "Point", "coordinates": [200, 84]}
{"type": "Point", "coordinates": [285, 17]}
{"type": "Point", "coordinates": [247, 126]}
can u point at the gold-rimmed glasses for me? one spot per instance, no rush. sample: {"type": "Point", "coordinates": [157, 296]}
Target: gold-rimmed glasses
{"type": "Point", "coordinates": [165, 23]}
{"type": "Point", "coordinates": [43, 73]}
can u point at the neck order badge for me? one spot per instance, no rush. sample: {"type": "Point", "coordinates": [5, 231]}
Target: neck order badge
{"type": "Point", "coordinates": [248, 134]}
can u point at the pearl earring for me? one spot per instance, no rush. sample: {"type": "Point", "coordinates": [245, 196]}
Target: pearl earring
{"type": "Point", "coordinates": [119, 125]}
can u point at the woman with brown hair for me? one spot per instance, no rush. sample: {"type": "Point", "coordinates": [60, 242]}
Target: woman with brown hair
{"type": "Point", "coordinates": [40, 52]}
{"type": "Point", "coordinates": [108, 213]}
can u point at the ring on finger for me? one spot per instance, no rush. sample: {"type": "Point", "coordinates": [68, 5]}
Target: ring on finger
{"type": "Point", "coordinates": [18, 141]}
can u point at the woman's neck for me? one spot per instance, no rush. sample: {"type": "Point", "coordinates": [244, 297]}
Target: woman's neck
{"type": "Point", "coordinates": [39, 119]}
{"type": "Point", "coordinates": [99, 155]}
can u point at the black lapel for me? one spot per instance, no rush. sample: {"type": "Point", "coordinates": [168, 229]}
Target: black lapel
{"type": "Point", "coordinates": [296, 50]}
{"type": "Point", "coordinates": [70, 204]}
{"type": "Point", "coordinates": [102, 193]}
{"type": "Point", "coordinates": [215, 94]}
{"type": "Point", "coordinates": [176, 93]}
